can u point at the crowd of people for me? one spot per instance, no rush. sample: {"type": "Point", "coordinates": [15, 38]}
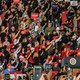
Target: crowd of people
{"type": "Point", "coordinates": [47, 39]}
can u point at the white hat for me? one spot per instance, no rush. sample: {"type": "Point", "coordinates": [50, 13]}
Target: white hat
{"type": "Point", "coordinates": [57, 28]}
{"type": "Point", "coordinates": [29, 45]}
{"type": "Point", "coordinates": [32, 48]}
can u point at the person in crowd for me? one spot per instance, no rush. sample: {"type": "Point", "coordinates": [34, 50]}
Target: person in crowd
{"type": "Point", "coordinates": [36, 33]}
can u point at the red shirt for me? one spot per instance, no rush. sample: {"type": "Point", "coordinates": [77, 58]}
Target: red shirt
{"type": "Point", "coordinates": [64, 53]}
{"type": "Point", "coordinates": [78, 52]}
{"type": "Point", "coordinates": [64, 17]}
{"type": "Point", "coordinates": [31, 60]}
{"type": "Point", "coordinates": [37, 48]}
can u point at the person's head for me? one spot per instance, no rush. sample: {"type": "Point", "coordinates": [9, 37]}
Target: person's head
{"type": "Point", "coordinates": [33, 36]}
{"type": "Point", "coordinates": [56, 50]}
{"type": "Point", "coordinates": [32, 49]}
{"type": "Point", "coordinates": [65, 49]}
{"type": "Point", "coordinates": [59, 61]}
{"type": "Point", "coordinates": [27, 7]}
{"type": "Point", "coordinates": [57, 29]}
{"type": "Point", "coordinates": [49, 56]}
{"type": "Point", "coordinates": [61, 27]}
{"type": "Point", "coordinates": [9, 65]}
{"type": "Point", "coordinates": [54, 32]}
{"type": "Point", "coordinates": [29, 1]}
{"type": "Point", "coordinates": [45, 18]}
{"type": "Point", "coordinates": [3, 28]}
{"type": "Point", "coordinates": [13, 28]}
{"type": "Point", "coordinates": [25, 39]}
{"type": "Point", "coordinates": [6, 38]}
{"type": "Point", "coordinates": [8, 11]}
{"type": "Point", "coordinates": [47, 42]}
{"type": "Point", "coordinates": [59, 54]}
{"type": "Point", "coordinates": [38, 23]}
{"type": "Point", "coordinates": [42, 34]}
{"type": "Point", "coordinates": [36, 43]}
{"type": "Point", "coordinates": [55, 64]}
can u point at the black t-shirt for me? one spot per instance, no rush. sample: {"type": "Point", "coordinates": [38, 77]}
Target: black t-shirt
{"type": "Point", "coordinates": [56, 68]}
{"type": "Point", "coordinates": [65, 39]}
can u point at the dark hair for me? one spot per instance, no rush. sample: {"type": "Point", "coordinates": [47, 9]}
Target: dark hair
{"type": "Point", "coordinates": [77, 73]}
{"type": "Point", "coordinates": [45, 77]}
{"type": "Point", "coordinates": [19, 78]}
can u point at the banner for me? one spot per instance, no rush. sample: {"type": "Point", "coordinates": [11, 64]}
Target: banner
{"type": "Point", "coordinates": [73, 3]}
{"type": "Point", "coordinates": [12, 76]}
{"type": "Point", "coordinates": [67, 0]}
{"type": "Point", "coordinates": [72, 62]}
{"type": "Point", "coordinates": [55, 6]}
{"type": "Point", "coordinates": [34, 15]}
{"type": "Point", "coordinates": [59, 0]}
{"type": "Point", "coordinates": [16, 1]}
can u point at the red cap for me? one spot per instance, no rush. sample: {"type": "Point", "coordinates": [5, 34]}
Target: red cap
{"type": "Point", "coordinates": [9, 64]}
{"type": "Point", "coordinates": [11, 45]}
{"type": "Point", "coordinates": [66, 46]}
{"type": "Point", "coordinates": [12, 51]}
{"type": "Point", "coordinates": [61, 27]}
{"type": "Point", "coordinates": [50, 59]}
{"type": "Point", "coordinates": [54, 37]}
{"type": "Point", "coordinates": [20, 53]}
{"type": "Point", "coordinates": [55, 63]}
{"type": "Point", "coordinates": [28, 49]}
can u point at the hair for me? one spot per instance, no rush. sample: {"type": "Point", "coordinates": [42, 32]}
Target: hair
{"type": "Point", "coordinates": [19, 78]}
{"type": "Point", "coordinates": [45, 77]}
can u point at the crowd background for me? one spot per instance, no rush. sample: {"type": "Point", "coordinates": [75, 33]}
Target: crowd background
{"type": "Point", "coordinates": [26, 42]}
